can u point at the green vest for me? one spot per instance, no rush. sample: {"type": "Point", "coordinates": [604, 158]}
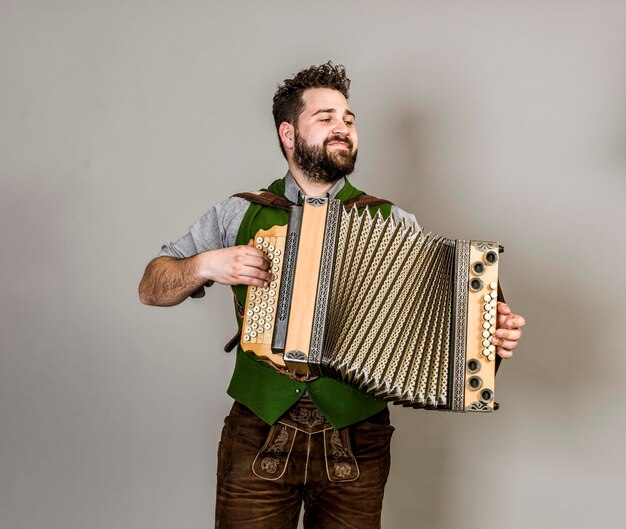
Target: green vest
{"type": "Point", "coordinates": [259, 387]}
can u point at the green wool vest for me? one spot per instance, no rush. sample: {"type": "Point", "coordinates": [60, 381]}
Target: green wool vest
{"type": "Point", "coordinates": [259, 387]}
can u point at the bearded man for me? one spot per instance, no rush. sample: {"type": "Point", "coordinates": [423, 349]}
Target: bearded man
{"type": "Point", "coordinates": [291, 440]}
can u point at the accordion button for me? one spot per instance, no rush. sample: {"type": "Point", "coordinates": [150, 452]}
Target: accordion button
{"type": "Point", "coordinates": [492, 312]}
{"type": "Point", "coordinates": [270, 256]}
{"type": "Point", "coordinates": [262, 313]}
{"type": "Point", "coordinates": [270, 309]}
{"type": "Point", "coordinates": [246, 338]}
{"type": "Point", "coordinates": [487, 306]}
{"type": "Point", "coordinates": [493, 286]}
{"type": "Point", "coordinates": [249, 313]}
{"type": "Point", "coordinates": [253, 334]}
{"type": "Point", "coordinates": [268, 318]}
{"type": "Point", "coordinates": [491, 357]}
{"type": "Point", "coordinates": [487, 297]}
{"type": "Point", "coordinates": [271, 247]}
{"type": "Point", "coordinates": [272, 293]}
{"type": "Point", "coordinates": [486, 316]}
{"type": "Point", "coordinates": [276, 260]}
{"type": "Point", "coordinates": [494, 295]}
{"type": "Point", "coordinates": [248, 321]}
{"type": "Point", "coordinates": [485, 352]}
{"type": "Point", "coordinates": [298, 391]}
{"type": "Point", "coordinates": [270, 301]}
{"type": "Point", "coordinates": [486, 343]}
{"type": "Point", "coordinates": [259, 240]}
{"type": "Point", "coordinates": [261, 321]}
{"type": "Point", "coordinates": [492, 330]}
{"type": "Point", "coordinates": [248, 329]}
{"type": "Point", "coordinates": [259, 246]}
{"type": "Point", "coordinates": [485, 334]}
{"type": "Point", "coordinates": [260, 330]}
{"type": "Point", "coordinates": [267, 326]}
{"type": "Point", "coordinates": [277, 251]}
{"type": "Point", "coordinates": [256, 309]}
{"type": "Point", "coordinates": [492, 321]}
{"type": "Point", "coordinates": [275, 268]}
{"type": "Point", "coordinates": [492, 348]}
{"type": "Point", "coordinates": [486, 324]}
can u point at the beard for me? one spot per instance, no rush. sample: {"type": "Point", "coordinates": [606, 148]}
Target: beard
{"type": "Point", "coordinates": [320, 165]}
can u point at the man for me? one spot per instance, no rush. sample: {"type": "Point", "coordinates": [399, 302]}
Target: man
{"type": "Point", "coordinates": [288, 439]}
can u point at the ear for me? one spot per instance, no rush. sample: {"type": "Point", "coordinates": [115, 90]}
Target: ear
{"type": "Point", "coordinates": [287, 135]}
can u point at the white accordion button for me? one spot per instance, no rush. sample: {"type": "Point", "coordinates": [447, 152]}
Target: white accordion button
{"type": "Point", "coordinates": [249, 313]}
{"type": "Point", "coordinates": [492, 321]}
{"type": "Point", "coordinates": [486, 325]}
{"type": "Point", "coordinates": [267, 326]}
{"type": "Point", "coordinates": [494, 295]}
{"type": "Point", "coordinates": [491, 357]}
{"type": "Point", "coordinates": [487, 307]}
{"type": "Point", "coordinates": [493, 312]}
{"type": "Point", "coordinates": [485, 334]}
{"type": "Point", "coordinates": [492, 330]}
{"type": "Point", "coordinates": [253, 334]}
{"type": "Point", "coordinates": [486, 343]}
{"type": "Point", "coordinates": [260, 330]}
{"type": "Point", "coordinates": [486, 316]}
{"type": "Point", "coordinates": [273, 284]}
{"type": "Point", "coordinates": [246, 338]}
{"type": "Point", "coordinates": [485, 352]}
{"type": "Point", "coordinates": [487, 297]}
{"type": "Point", "coordinates": [493, 286]}
{"type": "Point", "coordinates": [277, 251]}
{"type": "Point", "coordinates": [259, 246]}
{"type": "Point", "coordinates": [492, 348]}
{"type": "Point", "coordinates": [271, 249]}
{"type": "Point", "coordinates": [270, 309]}
{"type": "Point", "coordinates": [259, 240]}
{"type": "Point", "coordinates": [270, 301]}
{"type": "Point", "coordinates": [255, 317]}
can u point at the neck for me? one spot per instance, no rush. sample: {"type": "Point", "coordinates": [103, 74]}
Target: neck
{"type": "Point", "coordinates": [309, 188]}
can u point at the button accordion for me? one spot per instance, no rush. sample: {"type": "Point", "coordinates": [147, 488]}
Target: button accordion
{"type": "Point", "coordinates": [404, 315]}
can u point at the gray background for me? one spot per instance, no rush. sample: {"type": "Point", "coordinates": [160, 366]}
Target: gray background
{"type": "Point", "coordinates": [121, 122]}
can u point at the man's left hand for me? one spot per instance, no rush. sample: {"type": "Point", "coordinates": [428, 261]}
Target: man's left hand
{"type": "Point", "coordinates": [509, 331]}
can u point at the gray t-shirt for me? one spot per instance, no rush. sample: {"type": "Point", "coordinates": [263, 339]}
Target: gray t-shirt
{"type": "Point", "coordinates": [218, 227]}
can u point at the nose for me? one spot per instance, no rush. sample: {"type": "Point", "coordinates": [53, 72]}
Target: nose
{"type": "Point", "coordinates": [341, 128]}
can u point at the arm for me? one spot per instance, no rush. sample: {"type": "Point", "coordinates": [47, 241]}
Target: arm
{"type": "Point", "coordinates": [168, 281]}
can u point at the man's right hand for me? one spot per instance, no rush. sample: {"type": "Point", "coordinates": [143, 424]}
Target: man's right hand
{"type": "Point", "coordinates": [168, 281]}
{"type": "Point", "coordinates": [238, 265]}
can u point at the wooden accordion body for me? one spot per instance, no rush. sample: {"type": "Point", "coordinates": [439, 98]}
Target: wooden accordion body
{"type": "Point", "coordinates": [403, 315]}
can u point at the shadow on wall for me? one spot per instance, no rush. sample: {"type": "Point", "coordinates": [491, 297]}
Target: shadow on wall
{"type": "Point", "coordinates": [541, 386]}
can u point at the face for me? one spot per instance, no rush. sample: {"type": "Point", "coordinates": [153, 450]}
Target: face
{"type": "Point", "coordinates": [326, 141]}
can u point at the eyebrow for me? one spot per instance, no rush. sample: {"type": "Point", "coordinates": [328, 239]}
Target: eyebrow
{"type": "Point", "coordinates": [333, 111]}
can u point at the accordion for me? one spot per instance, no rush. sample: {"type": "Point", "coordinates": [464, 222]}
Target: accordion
{"type": "Point", "coordinates": [404, 315]}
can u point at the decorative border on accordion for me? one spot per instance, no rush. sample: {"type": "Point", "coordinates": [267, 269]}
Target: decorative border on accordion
{"type": "Point", "coordinates": [460, 330]}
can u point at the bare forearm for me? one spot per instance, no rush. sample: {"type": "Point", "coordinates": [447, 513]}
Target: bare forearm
{"type": "Point", "coordinates": [168, 281]}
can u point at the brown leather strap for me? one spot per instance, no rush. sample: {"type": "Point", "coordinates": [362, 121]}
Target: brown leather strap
{"type": "Point", "coordinates": [365, 200]}
{"type": "Point", "coordinates": [266, 198]}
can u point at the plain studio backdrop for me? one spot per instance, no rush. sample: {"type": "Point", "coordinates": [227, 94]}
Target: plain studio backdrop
{"type": "Point", "coordinates": [123, 121]}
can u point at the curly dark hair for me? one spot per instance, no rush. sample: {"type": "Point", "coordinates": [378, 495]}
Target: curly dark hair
{"type": "Point", "coordinates": [288, 103]}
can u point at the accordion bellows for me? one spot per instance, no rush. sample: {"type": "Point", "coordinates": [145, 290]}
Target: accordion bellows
{"type": "Point", "coordinates": [403, 315]}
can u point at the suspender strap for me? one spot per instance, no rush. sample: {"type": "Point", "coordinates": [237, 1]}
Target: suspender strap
{"type": "Point", "coordinates": [267, 198]}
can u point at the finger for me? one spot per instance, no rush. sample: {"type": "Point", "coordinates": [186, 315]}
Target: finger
{"type": "Point", "coordinates": [509, 334]}
{"type": "Point", "coordinates": [254, 261]}
{"type": "Point", "coordinates": [506, 344]}
{"type": "Point", "coordinates": [504, 353]}
{"type": "Point", "coordinates": [515, 321]}
{"type": "Point", "coordinates": [255, 273]}
{"type": "Point", "coordinates": [503, 308]}
{"type": "Point", "coordinates": [255, 252]}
